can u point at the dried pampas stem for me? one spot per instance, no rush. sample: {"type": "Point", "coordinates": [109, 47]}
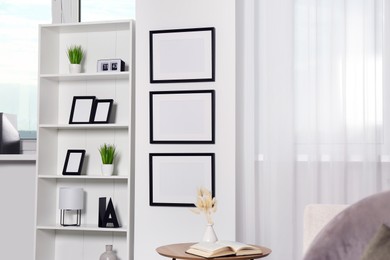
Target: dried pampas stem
{"type": "Point", "coordinates": [205, 204]}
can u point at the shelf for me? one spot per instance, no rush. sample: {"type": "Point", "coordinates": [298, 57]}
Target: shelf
{"type": "Point", "coordinates": [87, 76]}
{"type": "Point", "coordinates": [57, 88]}
{"type": "Point", "coordinates": [93, 228]}
{"type": "Point", "coordinates": [18, 157]}
{"type": "Point", "coordinates": [84, 126]}
{"type": "Point", "coordinates": [84, 177]}
{"type": "Point", "coordinates": [84, 27]}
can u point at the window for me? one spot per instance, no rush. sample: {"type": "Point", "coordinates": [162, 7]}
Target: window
{"type": "Point", "coordinates": [19, 59]}
{"type": "Point", "coordinates": [98, 10]}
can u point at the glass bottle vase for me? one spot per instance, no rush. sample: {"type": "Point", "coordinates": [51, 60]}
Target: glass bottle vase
{"type": "Point", "coordinates": [109, 254]}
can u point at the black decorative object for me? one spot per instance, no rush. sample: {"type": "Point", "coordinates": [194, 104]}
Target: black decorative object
{"type": "Point", "coordinates": [73, 162]}
{"type": "Point", "coordinates": [107, 216]}
{"type": "Point", "coordinates": [81, 109]}
{"type": "Point", "coordinates": [182, 117]}
{"type": "Point", "coordinates": [101, 111]}
{"type": "Point", "coordinates": [174, 177]}
{"type": "Point", "coordinates": [182, 55]}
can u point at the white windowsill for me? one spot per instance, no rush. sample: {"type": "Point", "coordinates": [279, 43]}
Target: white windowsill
{"type": "Point", "coordinates": [18, 157]}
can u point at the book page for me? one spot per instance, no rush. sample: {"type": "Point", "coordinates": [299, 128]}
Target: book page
{"type": "Point", "coordinates": [236, 246]}
{"type": "Point", "coordinates": [209, 247]}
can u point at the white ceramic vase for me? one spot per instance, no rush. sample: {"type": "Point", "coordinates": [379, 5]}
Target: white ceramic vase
{"type": "Point", "coordinates": [74, 68]}
{"type": "Point", "coordinates": [107, 169]}
{"type": "Point", "coordinates": [109, 254]}
{"type": "Point", "coordinates": [209, 234]}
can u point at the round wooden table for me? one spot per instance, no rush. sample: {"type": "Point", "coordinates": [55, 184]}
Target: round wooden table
{"type": "Point", "coordinates": [178, 251]}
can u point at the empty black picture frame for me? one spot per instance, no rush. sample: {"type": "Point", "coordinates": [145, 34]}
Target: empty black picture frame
{"type": "Point", "coordinates": [73, 162]}
{"type": "Point", "coordinates": [182, 55]}
{"type": "Point", "coordinates": [182, 117]}
{"type": "Point", "coordinates": [81, 110]}
{"type": "Point", "coordinates": [101, 111]}
{"type": "Point", "coordinates": [167, 171]}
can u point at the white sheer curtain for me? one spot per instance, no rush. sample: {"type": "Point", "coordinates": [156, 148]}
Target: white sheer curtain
{"type": "Point", "coordinates": [313, 120]}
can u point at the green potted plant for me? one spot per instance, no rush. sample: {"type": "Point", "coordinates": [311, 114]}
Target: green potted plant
{"type": "Point", "coordinates": [107, 153]}
{"type": "Point", "coordinates": [75, 55]}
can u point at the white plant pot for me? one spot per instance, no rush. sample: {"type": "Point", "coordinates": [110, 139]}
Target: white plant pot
{"type": "Point", "coordinates": [74, 68]}
{"type": "Point", "coordinates": [107, 169]}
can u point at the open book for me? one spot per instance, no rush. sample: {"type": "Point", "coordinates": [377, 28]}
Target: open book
{"type": "Point", "coordinates": [222, 248]}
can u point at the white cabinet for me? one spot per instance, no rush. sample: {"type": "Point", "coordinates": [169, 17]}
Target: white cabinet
{"type": "Point", "coordinates": [55, 136]}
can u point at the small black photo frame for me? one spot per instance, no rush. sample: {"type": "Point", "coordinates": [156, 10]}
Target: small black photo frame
{"type": "Point", "coordinates": [182, 55]}
{"type": "Point", "coordinates": [174, 178]}
{"type": "Point", "coordinates": [101, 111]}
{"type": "Point", "coordinates": [81, 109]}
{"type": "Point", "coordinates": [182, 117]}
{"type": "Point", "coordinates": [73, 162]}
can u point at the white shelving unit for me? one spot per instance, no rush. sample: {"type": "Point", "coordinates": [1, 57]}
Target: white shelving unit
{"type": "Point", "coordinates": [55, 136]}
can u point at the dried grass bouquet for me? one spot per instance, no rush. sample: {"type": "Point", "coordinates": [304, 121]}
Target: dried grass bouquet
{"type": "Point", "coordinates": [205, 204]}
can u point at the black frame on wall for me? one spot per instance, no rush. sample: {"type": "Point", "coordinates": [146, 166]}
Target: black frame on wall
{"type": "Point", "coordinates": [181, 102]}
{"type": "Point", "coordinates": [172, 158]}
{"type": "Point", "coordinates": [162, 53]}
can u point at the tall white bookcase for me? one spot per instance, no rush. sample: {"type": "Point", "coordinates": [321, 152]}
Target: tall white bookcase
{"type": "Point", "coordinates": [57, 88]}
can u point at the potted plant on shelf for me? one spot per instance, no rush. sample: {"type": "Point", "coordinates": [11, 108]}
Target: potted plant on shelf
{"type": "Point", "coordinates": [75, 55]}
{"type": "Point", "coordinates": [107, 153]}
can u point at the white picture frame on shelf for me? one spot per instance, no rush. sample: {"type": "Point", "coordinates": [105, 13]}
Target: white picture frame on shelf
{"type": "Point", "coordinates": [175, 177]}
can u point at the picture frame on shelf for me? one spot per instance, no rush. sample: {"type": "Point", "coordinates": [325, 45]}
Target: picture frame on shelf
{"type": "Point", "coordinates": [175, 177]}
{"type": "Point", "coordinates": [81, 109]}
{"type": "Point", "coordinates": [182, 117]}
{"type": "Point", "coordinates": [102, 111]}
{"type": "Point", "coordinates": [73, 162]}
{"type": "Point", "coordinates": [182, 55]}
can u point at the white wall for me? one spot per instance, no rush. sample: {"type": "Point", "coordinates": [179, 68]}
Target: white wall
{"type": "Point", "coordinates": [17, 193]}
{"type": "Point", "coordinates": [156, 226]}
